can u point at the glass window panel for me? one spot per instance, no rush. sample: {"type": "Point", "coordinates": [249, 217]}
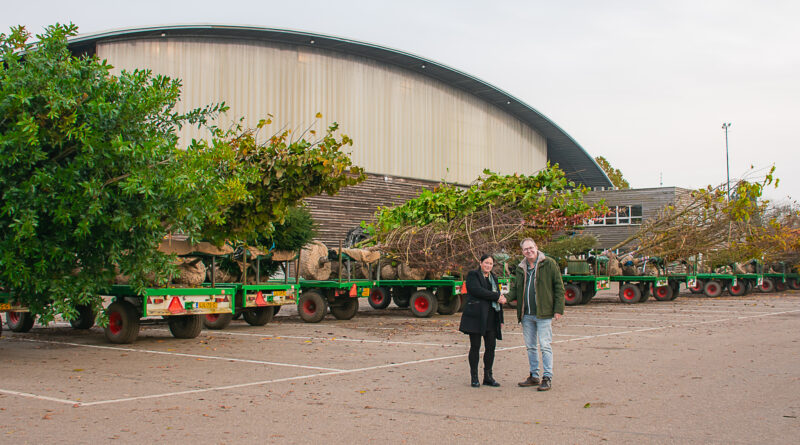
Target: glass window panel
{"type": "Point", "coordinates": [636, 210]}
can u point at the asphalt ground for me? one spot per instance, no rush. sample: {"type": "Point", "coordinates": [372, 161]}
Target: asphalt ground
{"type": "Point", "coordinates": [694, 370]}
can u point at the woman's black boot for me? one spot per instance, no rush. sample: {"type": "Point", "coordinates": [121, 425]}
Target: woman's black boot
{"type": "Point", "coordinates": [475, 383]}
{"type": "Point", "coordinates": [488, 380]}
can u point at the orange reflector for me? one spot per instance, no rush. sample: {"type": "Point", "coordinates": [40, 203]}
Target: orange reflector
{"type": "Point", "coordinates": [463, 289]}
{"type": "Point", "coordinates": [260, 299]}
{"type": "Point", "coordinates": [175, 306]}
{"type": "Point", "coordinates": [353, 291]}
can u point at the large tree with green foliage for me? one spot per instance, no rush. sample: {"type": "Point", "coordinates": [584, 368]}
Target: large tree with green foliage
{"type": "Point", "coordinates": [92, 178]}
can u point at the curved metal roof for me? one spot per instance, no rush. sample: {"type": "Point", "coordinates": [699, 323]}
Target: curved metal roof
{"type": "Point", "coordinates": [561, 148]}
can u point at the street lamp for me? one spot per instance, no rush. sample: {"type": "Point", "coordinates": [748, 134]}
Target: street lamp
{"type": "Point", "coordinates": [725, 127]}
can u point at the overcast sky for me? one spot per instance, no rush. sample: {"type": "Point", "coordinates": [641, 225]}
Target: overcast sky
{"type": "Point", "coordinates": [647, 84]}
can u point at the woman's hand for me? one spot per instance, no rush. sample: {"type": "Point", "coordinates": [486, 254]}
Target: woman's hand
{"type": "Point", "coordinates": [502, 299]}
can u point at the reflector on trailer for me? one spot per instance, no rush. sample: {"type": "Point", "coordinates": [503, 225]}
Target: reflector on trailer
{"type": "Point", "coordinates": [175, 306]}
{"type": "Point", "coordinates": [260, 299]}
{"type": "Point", "coordinates": [353, 291]}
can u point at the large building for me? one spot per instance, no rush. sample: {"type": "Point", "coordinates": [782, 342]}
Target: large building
{"type": "Point", "coordinates": [414, 121]}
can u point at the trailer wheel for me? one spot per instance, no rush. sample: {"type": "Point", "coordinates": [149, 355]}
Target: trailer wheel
{"type": "Point", "coordinates": [663, 293]}
{"type": "Point", "coordinates": [698, 287]}
{"type": "Point", "coordinates": [447, 302]}
{"type": "Point", "coordinates": [738, 289]}
{"type": "Point", "coordinates": [749, 285]}
{"type": "Point", "coordinates": [85, 318]}
{"type": "Point", "coordinates": [20, 321]}
{"type": "Point", "coordinates": [629, 293]}
{"type": "Point", "coordinates": [345, 310]}
{"type": "Point", "coordinates": [185, 326]}
{"type": "Point", "coordinates": [645, 289]}
{"type": "Point", "coordinates": [767, 286]}
{"type": "Point", "coordinates": [423, 303]}
{"type": "Point", "coordinates": [780, 286]}
{"type": "Point", "coordinates": [259, 316]}
{"type": "Point", "coordinates": [311, 307]}
{"type": "Point", "coordinates": [462, 300]}
{"type": "Point", "coordinates": [676, 289]}
{"type": "Point", "coordinates": [401, 296]}
{"type": "Point", "coordinates": [379, 298]}
{"type": "Point", "coordinates": [588, 294]}
{"type": "Point", "coordinates": [217, 321]}
{"type": "Point", "coordinates": [794, 283]}
{"type": "Point", "coordinates": [123, 322]}
{"type": "Point", "coordinates": [713, 289]}
{"type": "Point", "coordinates": [572, 295]}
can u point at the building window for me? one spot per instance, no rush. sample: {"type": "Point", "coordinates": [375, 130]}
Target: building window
{"type": "Point", "coordinates": [619, 216]}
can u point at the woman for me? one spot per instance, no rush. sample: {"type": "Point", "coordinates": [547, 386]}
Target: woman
{"type": "Point", "coordinates": [482, 317]}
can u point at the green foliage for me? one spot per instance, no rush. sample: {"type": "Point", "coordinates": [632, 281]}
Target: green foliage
{"type": "Point", "coordinates": [90, 175]}
{"type": "Point", "coordinates": [296, 230]}
{"type": "Point", "coordinates": [613, 173]}
{"type": "Point", "coordinates": [547, 199]}
{"type": "Point", "coordinates": [279, 173]}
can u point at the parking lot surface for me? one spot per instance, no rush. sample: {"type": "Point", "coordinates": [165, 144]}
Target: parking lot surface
{"type": "Point", "coordinates": [694, 370]}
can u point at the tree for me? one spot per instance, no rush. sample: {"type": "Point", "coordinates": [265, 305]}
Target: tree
{"type": "Point", "coordinates": [92, 178]}
{"type": "Point", "coordinates": [613, 173]}
{"type": "Point", "coordinates": [90, 175]}
{"type": "Point", "coordinates": [450, 227]}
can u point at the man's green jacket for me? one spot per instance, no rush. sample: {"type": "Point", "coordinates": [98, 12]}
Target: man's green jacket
{"type": "Point", "coordinates": [548, 284]}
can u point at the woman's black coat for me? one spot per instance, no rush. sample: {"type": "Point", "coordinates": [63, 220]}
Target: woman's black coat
{"type": "Point", "coordinates": [478, 308]}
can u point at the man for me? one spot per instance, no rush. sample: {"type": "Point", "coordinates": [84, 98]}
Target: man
{"type": "Point", "coordinates": [539, 293]}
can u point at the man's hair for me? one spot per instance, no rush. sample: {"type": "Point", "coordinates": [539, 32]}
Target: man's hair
{"type": "Point", "coordinates": [528, 239]}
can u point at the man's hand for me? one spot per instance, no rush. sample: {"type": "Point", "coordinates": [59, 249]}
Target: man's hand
{"type": "Point", "coordinates": [502, 299]}
{"type": "Point", "coordinates": [558, 317]}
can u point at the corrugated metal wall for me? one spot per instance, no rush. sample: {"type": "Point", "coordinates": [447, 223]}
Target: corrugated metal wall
{"type": "Point", "coordinates": [403, 123]}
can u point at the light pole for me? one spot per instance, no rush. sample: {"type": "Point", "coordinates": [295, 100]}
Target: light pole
{"type": "Point", "coordinates": [725, 127]}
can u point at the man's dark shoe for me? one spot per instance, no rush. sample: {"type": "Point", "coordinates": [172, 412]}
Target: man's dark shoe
{"type": "Point", "coordinates": [530, 381]}
{"type": "Point", "coordinates": [546, 384]}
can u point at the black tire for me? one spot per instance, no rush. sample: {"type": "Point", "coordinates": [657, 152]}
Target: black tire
{"type": "Point", "coordinates": [712, 288]}
{"type": "Point", "coordinates": [185, 326]}
{"type": "Point", "coordinates": [780, 286]}
{"type": "Point", "coordinates": [448, 303]}
{"type": "Point", "coordinates": [275, 310]}
{"type": "Point", "coordinates": [423, 304]}
{"type": "Point", "coordinates": [663, 293]}
{"type": "Point", "coordinates": [217, 321]}
{"type": "Point", "coordinates": [462, 300]}
{"type": "Point", "coordinates": [767, 286]}
{"type": "Point", "coordinates": [644, 288]}
{"type": "Point", "coordinates": [737, 290]}
{"type": "Point", "coordinates": [698, 287]}
{"type": "Point", "coordinates": [259, 316]}
{"type": "Point", "coordinates": [346, 309]}
{"type": "Point", "coordinates": [750, 285]}
{"type": "Point", "coordinates": [311, 307]}
{"type": "Point", "coordinates": [20, 321]}
{"type": "Point", "coordinates": [379, 298]}
{"type": "Point", "coordinates": [572, 295]}
{"type": "Point", "coordinates": [85, 318]}
{"type": "Point", "coordinates": [123, 322]}
{"type": "Point", "coordinates": [793, 283]}
{"type": "Point", "coordinates": [401, 296]}
{"type": "Point", "coordinates": [629, 293]}
{"type": "Point", "coordinates": [588, 294]}
{"type": "Point", "coordinates": [676, 289]}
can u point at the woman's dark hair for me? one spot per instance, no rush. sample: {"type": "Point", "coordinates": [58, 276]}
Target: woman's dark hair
{"type": "Point", "coordinates": [486, 255]}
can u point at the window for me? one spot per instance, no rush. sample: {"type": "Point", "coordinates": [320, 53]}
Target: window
{"type": "Point", "coordinates": [619, 216]}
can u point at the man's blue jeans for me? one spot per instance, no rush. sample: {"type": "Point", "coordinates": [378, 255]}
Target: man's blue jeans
{"type": "Point", "coordinates": [538, 332]}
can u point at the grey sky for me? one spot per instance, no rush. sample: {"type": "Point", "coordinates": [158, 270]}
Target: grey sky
{"type": "Point", "coordinates": [647, 84]}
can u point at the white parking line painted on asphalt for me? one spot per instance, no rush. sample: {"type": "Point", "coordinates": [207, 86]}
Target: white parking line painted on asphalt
{"type": "Point", "coordinates": [354, 340]}
{"type": "Point", "coordinates": [38, 397]}
{"type": "Point", "coordinates": [180, 354]}
{"type": "Point", "coordinates": [390, 365]}
{"type": "Point", "coordinates": [569, 325]}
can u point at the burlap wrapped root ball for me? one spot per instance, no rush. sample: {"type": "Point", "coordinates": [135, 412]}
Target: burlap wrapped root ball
{"type": "Point", "coordinates": [404, 272]}
{"type": "Point", "coordinates": [191, 272]}
{"type": "Point", "coordinates": [388, 272]}
{"type": "Point", "coordinates": [311, 268]}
